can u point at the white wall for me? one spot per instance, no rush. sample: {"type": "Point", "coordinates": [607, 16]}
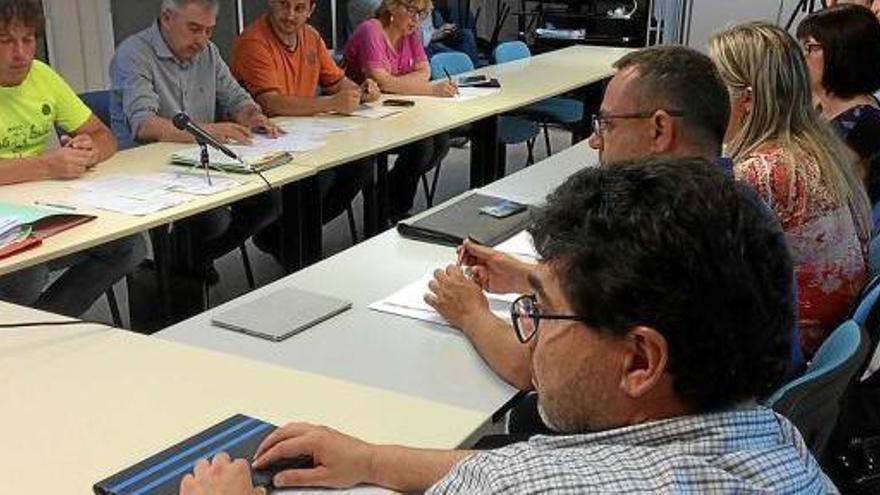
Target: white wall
{"type": "Point", "coordinates": [711, 16]}
{"type": "Point", "coordinates": [80, 41]}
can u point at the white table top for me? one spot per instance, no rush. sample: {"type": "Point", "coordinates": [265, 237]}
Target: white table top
{"type": "Point", "coordinates": [412, 357]}
{"type": "Point", "coordinates": [81, 403]}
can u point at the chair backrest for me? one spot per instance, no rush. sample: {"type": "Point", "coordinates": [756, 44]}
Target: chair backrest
{"type": "Point", "coordinates": [866, 301]}
{"type": "Point", "coordinates": [99, 103]}
{"type": "Point", "coordinates": [453, 63]}
{"type": "Point", "coordinates": [510, 51]}
{"type": "Point", "coordinates": [812, 401]}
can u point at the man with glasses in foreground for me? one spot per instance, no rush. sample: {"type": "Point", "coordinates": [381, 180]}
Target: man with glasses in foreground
{"type": "Point", "coordinates": [662, 101]}
{"type": "Point", "coordinates": [660, 311]}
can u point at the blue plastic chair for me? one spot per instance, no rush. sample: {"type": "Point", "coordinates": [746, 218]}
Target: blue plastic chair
{"type": "Point", "coordinates": [566, 111]}
{"type": "Point", "coordinates": [864, 305]}
{"type": "Point", "coordinates": [812, 401]}
{"type": "Point", "coordinates": [511, 130]}
{"type": "Point", "coordinates": [99, 103]}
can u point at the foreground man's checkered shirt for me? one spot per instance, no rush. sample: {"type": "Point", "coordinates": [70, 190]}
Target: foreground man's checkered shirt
{"type": "Point", "coordinates": [745, 451]}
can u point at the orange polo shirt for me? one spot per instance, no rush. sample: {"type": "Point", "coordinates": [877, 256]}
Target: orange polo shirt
{"type": "Point", "coordinates": [262, 63]}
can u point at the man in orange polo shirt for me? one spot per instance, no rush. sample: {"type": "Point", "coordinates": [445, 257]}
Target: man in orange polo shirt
{"type": "Point", "coordinates": [282, 61]}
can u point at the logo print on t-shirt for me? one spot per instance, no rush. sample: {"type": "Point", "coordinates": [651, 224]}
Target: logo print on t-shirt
{"type": "Point", "coordinates": [47, 109]}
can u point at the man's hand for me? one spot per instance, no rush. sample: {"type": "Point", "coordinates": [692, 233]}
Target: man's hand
{"type": "Point", "coordinates": [444, 88]}
{"type": "Point", "coordinates": [370, 91]}
{"type": "Point", "coordinates": [83, 142]}
{"type": "Point", "coordinates": [258, 122]}
{"type": "Point", "coordinates": [457, 298]}
{"type": "Point", "coordinates": [340, 461]}
{"type": "Point", "coordinates": [68, 163]}
{"type": "Point", "coordinates": [229, 132]}
{"type": "Point", "coordinates": [346, 100]}
{"type": "Point", "coordinates": [494, 271]}
{"type": "Point", "coordinates": [443, 32]}
{"type": "Point", "coordinates": [220, 477]}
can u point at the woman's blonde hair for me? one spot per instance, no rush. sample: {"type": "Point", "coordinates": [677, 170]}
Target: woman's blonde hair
{"type": "Point", "coordinates": [383, 13]}
{"type": "Point", "coordinates": [766, 59]}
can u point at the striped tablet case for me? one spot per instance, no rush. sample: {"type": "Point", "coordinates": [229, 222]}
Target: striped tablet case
{"type": "Point", "coordinates": [239, 436]}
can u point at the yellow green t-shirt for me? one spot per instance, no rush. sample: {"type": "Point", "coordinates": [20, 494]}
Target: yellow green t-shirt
{"type": "Point", "coordinates": [30, 111]}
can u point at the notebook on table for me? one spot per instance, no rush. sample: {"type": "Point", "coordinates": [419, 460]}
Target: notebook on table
{"type": "Point", "coordinates": [280, 314]}
{"type": "Point", "coordinates": [239, 436]}
{"type": "Point", "coordinates": [465, 219]}
{"type": "Point", "coordinates": [24, 227]}
{"type": "Point", "coordinates": [253, 161]}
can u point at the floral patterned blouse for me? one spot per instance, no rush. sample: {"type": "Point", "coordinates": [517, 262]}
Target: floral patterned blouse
{"type": "Point", "coordinates": [830, 257]}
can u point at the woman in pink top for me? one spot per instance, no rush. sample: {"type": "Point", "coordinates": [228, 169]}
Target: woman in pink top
{"type": "Point", "coordinates": [388, 50]}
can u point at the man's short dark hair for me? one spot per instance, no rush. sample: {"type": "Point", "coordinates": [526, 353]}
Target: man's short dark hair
{"type": "Point", "coordinates": [850, 39]}
{"type": "Point", "coordinates": [29, 13]}
{"type": "Point", "coordinates": [678, 78]}
{"type": "Point", "coordinates": [675, 245]}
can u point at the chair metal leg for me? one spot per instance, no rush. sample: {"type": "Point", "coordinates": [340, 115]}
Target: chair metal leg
{"type": "Point", "coordinates": [427, 190]}
{"type": "Point", "coordinates": [434, 183]}
{"type": "Point", "coordinates": [114, 307]}
{"type": "Point", "coordinates": [530, 147]}
{"type": "Point", "coordinates": [352, 225]}
{"type": "Point", "coordinates": [206, 296]}
{"type": "Point", "coordinates": [248, 270]}
{"type": "Point", "coordinates": [547, 137]}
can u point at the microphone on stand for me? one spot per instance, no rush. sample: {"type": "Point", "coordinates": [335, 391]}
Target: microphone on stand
{"type": "Point", "coordinates": [184, 123]}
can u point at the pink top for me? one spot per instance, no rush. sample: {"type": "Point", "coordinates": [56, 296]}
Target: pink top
{"type": "Point", "coordinates": [829, 255]}
{"type": "Point", "coordinates": [369, 48]}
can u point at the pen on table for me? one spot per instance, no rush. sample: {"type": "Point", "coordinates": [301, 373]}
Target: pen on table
{"type": "Point", "coordinates": [56, 205]}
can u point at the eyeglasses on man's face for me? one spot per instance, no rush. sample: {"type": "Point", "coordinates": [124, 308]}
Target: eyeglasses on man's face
{"type": "Point", "coordinates": [601, 120]}
{"type": "Point", "coordinates": [526, 315]}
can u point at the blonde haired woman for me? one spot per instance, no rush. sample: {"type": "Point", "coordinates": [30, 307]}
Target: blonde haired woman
{"type": "Point", "coordinates": [801, 169]}
{"type": "Point", "coordinates": [388, 50]}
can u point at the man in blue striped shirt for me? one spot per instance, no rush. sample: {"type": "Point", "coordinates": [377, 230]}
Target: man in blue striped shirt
{"type": "Point", "coordinates": [661, 309]}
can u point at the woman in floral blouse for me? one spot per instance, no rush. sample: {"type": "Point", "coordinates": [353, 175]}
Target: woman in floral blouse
{"type": "Point", "coordinates": [802, 170]}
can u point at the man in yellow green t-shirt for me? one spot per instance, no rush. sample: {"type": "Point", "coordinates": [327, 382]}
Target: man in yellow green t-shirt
{"type": "Point", "coordinates": [34, 100]}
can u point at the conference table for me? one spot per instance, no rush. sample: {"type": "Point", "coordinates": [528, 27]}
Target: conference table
{"type": "Point", "coordinates": [523, 82]}
{"type": "Point", "coordinates": [84, 401]}
{"type": "Point", "coordinates": [402, 355]}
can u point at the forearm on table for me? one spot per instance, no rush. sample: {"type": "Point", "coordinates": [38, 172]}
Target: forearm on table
{"type": "Point", "coordinates": [159, 129]}
{"type": "Point", "coordinates": [105, 142]}
{"type": "Point", "coordinates": [276, 104]}
{"type": "Point", "coordinates": [495, 341]}
{"type": "Point", "coordinates": [15, 170]}
{"type": "Point", "coordinates": [406, 469]}
{"type": "Point", "coordinates": [414, 83]}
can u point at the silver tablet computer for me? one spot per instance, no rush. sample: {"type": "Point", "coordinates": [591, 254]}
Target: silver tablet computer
{"type": "Point", "coordinates": [280, 314]}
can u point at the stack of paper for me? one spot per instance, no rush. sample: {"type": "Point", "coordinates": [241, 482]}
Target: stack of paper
{"type": "Point", "coordinates": [410, 302]}
{"type": "Point", "coordinates": [150, 193]}
{"type": "Point", "coordinates": [12, 230]}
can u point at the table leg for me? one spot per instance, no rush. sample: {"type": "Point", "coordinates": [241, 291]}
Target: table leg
{"type": "Point", "coordinates": [312, 224]}
{"type": "Point", "coordinates": [383, 192]}
{"type": "Point", "coordinates": [484, 152]}
{"type": "Point", "coordinates": [371, 206]}
{"type": "Point", "coordinates": [160, 237]}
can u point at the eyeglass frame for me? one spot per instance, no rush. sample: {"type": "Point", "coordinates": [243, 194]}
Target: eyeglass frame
{"type": "Point", "coordinates": [808, 47]}
{"type": "Point", "coordinates": [415, 12]}
{"type": "Point", "coordinates": [599, 121]}
{"type": "Point", "coordinates": [535, 317]}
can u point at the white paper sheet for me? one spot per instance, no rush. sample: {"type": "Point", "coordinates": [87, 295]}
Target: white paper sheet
{"type": "Point", "coordinates": [375, 111]}
{"type": "Point", "coordinates": [409, 302]}
{"type": "Point", "coordinates": [131, 206]}
{"type": "Point", "coordinates": [464, 94]}
{"type": "Point", "coordinates": [521, 245]}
